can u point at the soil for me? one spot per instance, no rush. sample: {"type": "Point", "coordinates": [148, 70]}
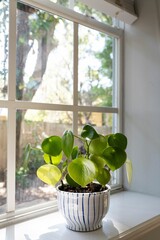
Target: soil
{"type": "Point", "coordinates": [90, 188]}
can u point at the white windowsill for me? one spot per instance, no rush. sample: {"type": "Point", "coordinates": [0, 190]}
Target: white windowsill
{"type": "Point", "coordinates": [131, 216]}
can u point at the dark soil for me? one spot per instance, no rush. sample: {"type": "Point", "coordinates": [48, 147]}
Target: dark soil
{"type": "Point", "coordinates": [90, 188]}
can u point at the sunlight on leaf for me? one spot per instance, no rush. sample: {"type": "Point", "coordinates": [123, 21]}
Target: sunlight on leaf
{"type": "Point", "coordinates": [82, 171]}
{"type": "Point", "coordinates": [49, 174]}
{"type": "Point", "coordinates": [99, 161]}
{"type": "Point", "coordinates": [114, 157]}
{"type": "Point", "coordinates": [52, 145]}
{"type": "Point", "coordinates": [53, 159]}
{"type": "Point", "coordinates": [98, 145]}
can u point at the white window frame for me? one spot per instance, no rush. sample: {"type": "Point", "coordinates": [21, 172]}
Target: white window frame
{"type": "Point", "coordinates": [12, 105]}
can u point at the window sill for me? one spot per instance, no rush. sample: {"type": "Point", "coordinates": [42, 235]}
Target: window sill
{"type": "Point", "coordinates": [131, 216]}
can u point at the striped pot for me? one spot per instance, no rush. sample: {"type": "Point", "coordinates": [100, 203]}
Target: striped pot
{"type": "Point", "coordinates": [83, 211]}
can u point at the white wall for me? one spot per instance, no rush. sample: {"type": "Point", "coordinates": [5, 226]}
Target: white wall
{"type": "Point", "coordinates": [142, 97]}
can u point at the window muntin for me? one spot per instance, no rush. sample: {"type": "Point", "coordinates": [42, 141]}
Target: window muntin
{"type": "Point", "coordinates": [72, 110]}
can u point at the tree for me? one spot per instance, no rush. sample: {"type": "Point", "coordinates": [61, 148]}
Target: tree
{"type": "Point", "coordinates": [34, 25]}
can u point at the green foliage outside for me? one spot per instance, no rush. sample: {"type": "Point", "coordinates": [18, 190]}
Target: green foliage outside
{"type": "Point", "coordinates": [34, 24]}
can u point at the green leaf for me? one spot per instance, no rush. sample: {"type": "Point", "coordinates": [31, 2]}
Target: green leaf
{"type": "Point", "coordinates": [114, 157]}
{"type": "Point", "coordinates": [118, 140]}
{"type": "Point", "coordinates": [82, 171]}
{"type": "Point", "coordinates": [129, 170]}
{"type": "Point", "coordinates": [88, 132]}
{"type": "Point", "coordinates": [67, 143]}
{"type": "Point", "coordinates": [99, 161]}
{"type": "Point", "coordinates": [98, 145]}
{"type": "Point", "coordinates": [52, 145]}
{"type": "Point", "coordinates": [71, 182]}
{"type": "Point", "coordinates": [103, 176]}
{"type": "Point", "coordinates": [53, 159]}
{"type": "Point", "coordinates": [75, 152]}
{"type": "Point", "coordinates": [49, 174]}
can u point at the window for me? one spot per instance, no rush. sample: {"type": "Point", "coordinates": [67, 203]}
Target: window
{"type": "Point", "coordinates": [58, 70]}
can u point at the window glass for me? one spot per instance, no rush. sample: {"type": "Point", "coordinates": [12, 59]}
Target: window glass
{"type": "Point", "coordinates": [34, 127]}
{"type": "Point", "coordinates": [65, 77]}
{"type": "Point", "coordinates": [96, 58]}
{"type": "Point", "coordinates": [80, 7]}
{"type": "Point", "coordinates": [104, 123]}
{"type": "Point", "coordinates": [4, 25]}
{"type": "Point", "coordinates": [3, 159]}
{"type": "Point", "coordinates": [44, 57]}
{"type": "Point", "coordinates": [93, 13]}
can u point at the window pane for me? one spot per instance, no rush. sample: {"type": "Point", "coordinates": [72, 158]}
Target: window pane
{"type": "Point", "coordinates": [33, 128]}
{"type": "Point", "coordinates": [115, 178]}
{"type": "Point", "coordinates": [4, 24]}
{"type": "Point", "coordinates": [3, 158]}
{"type": "Point", "coordinates": [44, 57]}
{"type": "Point", "coordinates": [104, 123]}
{"type": "Point", "coordinates": [44, 74]}
{"type": "Point", "coordinates": [93, 13]}
{"type": "Point", "coordinates": [96, 57]}
{"type": "Point", "coordinates": [80, 7]}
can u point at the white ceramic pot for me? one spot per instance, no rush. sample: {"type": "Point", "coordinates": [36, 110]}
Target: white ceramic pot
{"type": "Point", "coordinates": [83, 211]}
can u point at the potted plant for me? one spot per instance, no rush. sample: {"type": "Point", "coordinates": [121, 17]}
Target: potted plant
{"type": "Point", "coordinates": [81, 174]}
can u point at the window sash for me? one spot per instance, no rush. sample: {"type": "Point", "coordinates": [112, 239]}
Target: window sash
{"type": "Point", "coordinates": [69, 14]}
{"type": "Point", "coordinates": [12, 104]}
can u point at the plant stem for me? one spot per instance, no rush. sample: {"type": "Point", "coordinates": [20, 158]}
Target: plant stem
{"type": "Point", "coordinates": [81, 139]}
{"type": "Point", "coordinates": [87, 152]}
{"type": "Point", "coordinates": [62, 183]}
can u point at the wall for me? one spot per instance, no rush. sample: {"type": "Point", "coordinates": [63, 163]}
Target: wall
{"type": "Point", "coordinates": [142, 97]}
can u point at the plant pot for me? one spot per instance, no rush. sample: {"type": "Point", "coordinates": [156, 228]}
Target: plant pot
{"type": "Point", "coordinates": [83, 211]}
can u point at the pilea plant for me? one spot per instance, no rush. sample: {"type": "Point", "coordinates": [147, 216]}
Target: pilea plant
{"type": "Point", "coordinates": [66, 163]}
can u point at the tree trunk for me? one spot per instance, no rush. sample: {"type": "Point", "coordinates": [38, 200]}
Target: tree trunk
{"type": "Point", "coordinates": [45, 46]}
{"type": "Point", "coordinates": [23, 49]}
{"type": "Point", "coordinates": [24, 44]}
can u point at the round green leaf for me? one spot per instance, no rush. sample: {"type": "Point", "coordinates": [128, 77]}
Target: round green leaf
{"type": "Point", "coordinates": [75, 152]}
{"type": "Point", "coordinates": [118, 140]}
{"type": "Point", "coordinates": [103, 176]}
{"type": "Point", "coordinates": [49, 174]}
{"type": "Point", "coordinates": [88, 132]}
{"type": "Point", "coordinates": [52, 145]}
{"type": "Point", "coordinates": [82, 171]}
{"type": "Point", "coordinates": [67, 142]}
{"type": "Point", "coordinates": [114, 157]}
{"type": "Point", "coordinates": [99, 161]}
{"type": "Point", "coordinates": [71, 182]}
{"type": "Point", "coordinates": [53, 159]}
{"type": "Point", "coordinates": [98, 145]}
